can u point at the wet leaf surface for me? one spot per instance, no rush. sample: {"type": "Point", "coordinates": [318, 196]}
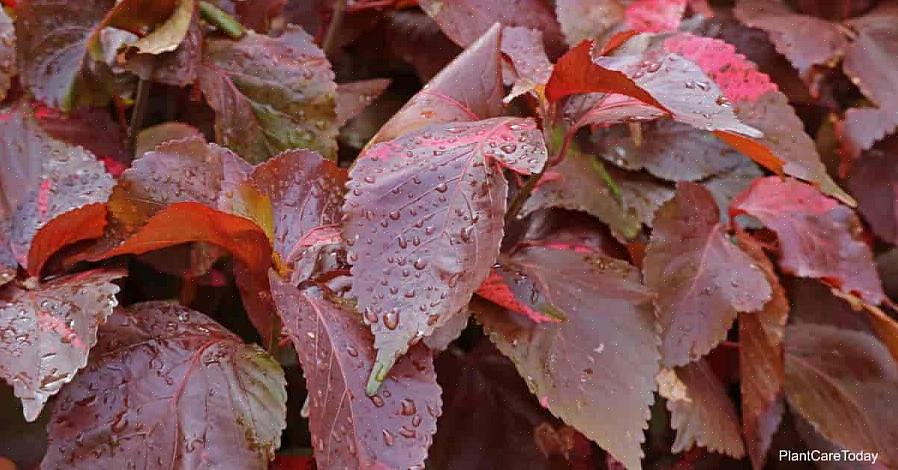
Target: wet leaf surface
{"type": "Point", "coordinates": [8, 68]}
{"type": "Point", "coordinates": [169, 387]}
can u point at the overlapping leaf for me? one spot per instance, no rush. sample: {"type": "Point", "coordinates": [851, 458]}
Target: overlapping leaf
{"type": "Point", "coordinates": [43, 179]}
{"type": "Point", "coordinates": [270, 94]}
{"type": "Point", "coordinates": [761, 368]}
{"type": "Point", "coordinates": [148, 138]}
{"type": "Point", "coordinates": [46, 333]}
{"type": "Point", "coordinates": [603, 357]}
{"type": "Point", "coordinates": [818, 237]}
{"type": "Point", "coordinates": [701, 278]}
{"type": "Point", "coordinates": [843, 382]}
{"type": "Point", "coordinates": [91, 128]}
{"type": "Point", "coordinates": [456, 93]}
{"type": "Point", "coordinates": [531, 66]}
{"type": "Point", "coordinates": [424, 219]}
{"type": "Point", "coordinates": [169, 387]}
{"type": "Point", "coordinates": [354, 97]}
{"type": "Point", "coordinates": [392, 429]}
{"type": "Point", "coordinates": [700, 410]}
{"type": "Point", "coordinates": [588, 19]}
{"type": "Point", "coordinates": [874, 181]}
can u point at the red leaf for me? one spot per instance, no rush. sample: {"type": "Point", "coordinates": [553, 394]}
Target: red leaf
{"type": "Point", "coordinates": [168, 386]}
{"type": "Point", "coordinates": [700, 410]}
{"type": "Point", "coordinates": [467, 89]}
{"type": "Point", "coordinates": [466, 20]}
{"type": "Point", "coordinates": [604, 356]}
{"type": "Point", "coordinates": [512, 289]}
{"type": "Point", "coordinates": [874, 182]}
{"type": "Point", "coordinates": [48, 332]}
{"type": "Point", "coordinates": [43, 179]}
{"type": "Point", "coordinates": [257, 14]}
{"type": "Point", "coordinates": [354, 97]}
{"type": "Point", "coordinates": [843, 382]}
{"type": "Point", "coordinates": [270, 94]}
{"type": "Point", "coordinates": [391, 429]}
{"type": "Point", "coordinates": [84, 223]}
{"type": "Point", "coordinates": [818, 237]}
{"type": "Point", "coordinates": [805, 40]}
{"type": "Point", "coordinates": [91, 128]}
{"type": "Point", "coordinates": [701, 278]}
{"type": "Point", "coordinates": [655, 16]}
{"type": "Point", "coordinates": [761, 368]}
{"type": "Point", "coordinates": [424, 216]}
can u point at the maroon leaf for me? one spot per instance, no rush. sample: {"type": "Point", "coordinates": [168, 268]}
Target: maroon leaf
{"type": "Point", "coordinates": [874, 182]}
{"type": "Point", "coordinates": [489, 417]}
{"type": "Point", "coordinates": [416, 39]}
{"type": "Point", "coordinates": [761, 368]}
{"type": "Point", "coordinates": [532, 69]}
{"type": "Point", "coordinates": [305, 192]}
{"type": "Point", "coordinates": [354, 97]}
{"type": "Point", "coordinates": [871, 62]}
{"type": "Point", "coordinates": [588, 19]}
{"type": "Point", "coordinates": [42, 180]}
{"type": "Point", "coordinates": [46, 333]}
{"type": "Point", "coordinates": [725, 187]}
{"type": "Point", "coordinates": [701, 278]}
{"type": "Point", "coordinates": [466, 20]}
{"type": "Point", "coordinates": [53, 38]}
{"type": "Point", "coordinates": [509, 287]}
{"type": "Point", "coordinates": [790, 32]}
{"type": "Point", "coordinates": [655, 16]}
{"type": "Point", "coordinates": [91, 128]}
{"type": "Point", "coordinates": [843, 382]}
{"type": "Point", "coordinates": [757, 102]}
{"type": "Point", "coordinates": [700, 410]}
{"type": "Point", "coordinates": [270, 94]}
{"type": "Point", "coordinates": [669, 150]}
{"type": "Point", "coordinates": [818, 237]}
{"type": "Point", "coordinates": [178, 67]}
{"type": "Point", "coordinates": [391, 429]}
{"type": "Point", "coordinates": [169, 387]}
{"type": "Point", "coordinates": [424, 216]}
{"type": "Point", "coordinates": [455, 94]}
{"type": "Point", "coordinates": [604, 356]}
{"type": "Point", "coordinates": [8, 67]}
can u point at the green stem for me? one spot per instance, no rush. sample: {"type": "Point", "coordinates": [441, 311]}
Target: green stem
{"type": "Point", "coordinates": [221, 20]}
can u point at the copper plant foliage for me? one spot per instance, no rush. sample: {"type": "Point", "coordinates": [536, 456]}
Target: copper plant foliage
{"type": "Point", "coordinates": [378, 234]}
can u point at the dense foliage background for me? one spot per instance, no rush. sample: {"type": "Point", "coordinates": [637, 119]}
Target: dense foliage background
{"type": "Point", "coordinates": [463, 234]}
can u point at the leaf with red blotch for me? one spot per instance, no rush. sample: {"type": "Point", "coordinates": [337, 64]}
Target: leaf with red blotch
{"type": "Point", "coordinates": [424, 215]}
{"type": "Point", "coordinates": [270, 94]}
{"type": "Point", "coordinates": [8, 68]}
{"type": "Point", "coordinates": [43, 179]}
{"type": "Point", "coordinates": [761, 368]}
{"type": "Point", "coordinates": [701, 278]}
{"type": "Point", "coordinates": [790, 32]}
{"type": "Point", "coordinates": [874, 182]}
{"type": "Point", "coordinates": [604, 356]}
{"type": "Point", "coordinates": [668, 149]}
{"type": "Point", "coordinates": [52, 41]}
{"type": "Point", "coordinates": [150, 137]}
{"type": "Point", "coordinates": [467, 89]}
{"type": "Point", "coordinates": [510, 287]}
{"type": "Point", "coordinates": [700, 410]}
{"type": "Point", "coordinates": [588, 19]}
{"type": "Point", "coordinates": [655, 16]}
{"type": "Point", "coordinates": [463, 21]}
{"type": "Point", "coordinates": [303, 192]}
{"type": "Point", "coordinates": [48, 331]}
{"type": "Point", "coordinates": [354, 97]}
{"type": "Point", "coordinates": [870, 61]}
{"type": "Point", "coordinates": [391, 429]}
{"type": "Point", "coordinates": [169, 386]}
{"type": "Point", "coordinates": [581, 182]}
{"type": "Point", "coordinates": [91, 128]}
{"type": "Point", "coordinates": [784, 147]}
{"type": "Point", "coordinates": [186, 170]}
{"type": "Point", "coordinates": [844, 383]}
{"type": "Point", "coordinates": [818, 237]}
{"type": "Point", "coordinates": [530, 65]}
{"type": "Point", "coordinates": [486, 406]}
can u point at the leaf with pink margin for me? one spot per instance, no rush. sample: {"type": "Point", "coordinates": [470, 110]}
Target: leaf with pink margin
{"type": "Point", "coordinates": [512, 289]}
{"type": "Point", "coordinates": [46, 332]}
{"type": "Point", "coordinates": [818, 237]}
{"type": "Point", "coordinates": [655, 16]}
{"type": "Point", "coordinates": [392, 429]}
{"type": "Point", "coordinates": [169, 387]}
{"type": "Point", "coordinates": [702, 280]}
{"type": "Point", "coordinates": [468, 89]}
{"type": "Point", "coordinates": [423, 219]}
{"type": "Point", "coordinates": [604, 356]}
